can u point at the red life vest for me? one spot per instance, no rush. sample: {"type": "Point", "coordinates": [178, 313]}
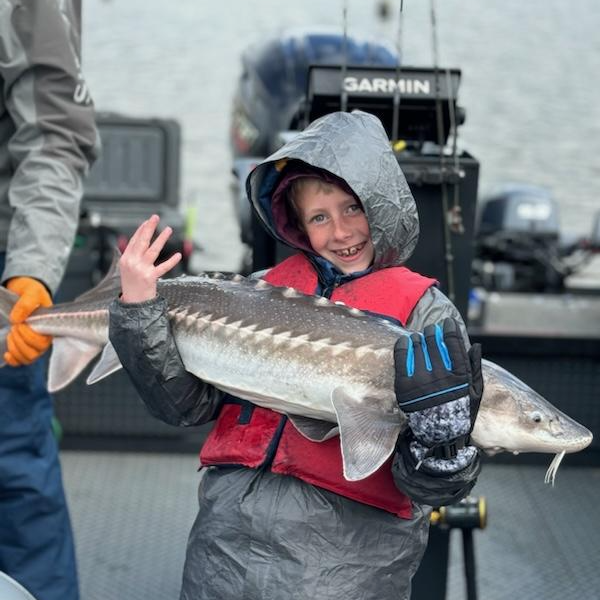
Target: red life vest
{"type": "Point", "coordinates": [248, 435]}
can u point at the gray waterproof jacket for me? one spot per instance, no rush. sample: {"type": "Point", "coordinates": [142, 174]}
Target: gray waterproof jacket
{"type": "Point", "coordinates": [48, 136]}
{"type": "Point", "coordinates": [263, 536]}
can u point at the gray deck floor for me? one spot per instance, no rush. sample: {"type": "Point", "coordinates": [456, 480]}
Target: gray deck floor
{"type": "Point", "coordinates": [132, 512]}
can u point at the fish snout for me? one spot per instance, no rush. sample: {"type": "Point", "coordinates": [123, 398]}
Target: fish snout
{"type": "Point", "coordinates": [570, 435]}
{"type": "Point", "coordinates": [585, 439]}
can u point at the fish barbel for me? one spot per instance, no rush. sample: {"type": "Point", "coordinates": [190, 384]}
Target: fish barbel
{"type": "Point", "coordinates": [329, 367]}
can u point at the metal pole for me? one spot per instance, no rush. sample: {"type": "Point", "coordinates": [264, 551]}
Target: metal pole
{"type": "Point", "coordinates": [469, 560]}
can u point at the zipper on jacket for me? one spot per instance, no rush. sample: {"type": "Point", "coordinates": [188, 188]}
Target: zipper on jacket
{"type": "Point", "coordinates": [274, 443]}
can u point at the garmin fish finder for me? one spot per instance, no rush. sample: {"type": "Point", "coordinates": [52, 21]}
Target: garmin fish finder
{"type": "Point", "coordinates": [416, 105]}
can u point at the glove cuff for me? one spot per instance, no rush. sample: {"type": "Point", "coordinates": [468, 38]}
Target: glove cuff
{"type": "Point", "coordinates": [20, 284]}
{"type": "Point", "coordinates": [449, 457]}
{"type": "Point", "coordinates": [447, 450]}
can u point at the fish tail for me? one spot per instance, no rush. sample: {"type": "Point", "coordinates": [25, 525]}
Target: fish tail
{"type": "Point", "coordinates": [7, 301]}
{"type": "Point", "coordinates": [70, 356]}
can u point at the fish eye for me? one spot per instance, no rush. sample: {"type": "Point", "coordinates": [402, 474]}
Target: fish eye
{"type": "Point", "coordinates": [536, 417]}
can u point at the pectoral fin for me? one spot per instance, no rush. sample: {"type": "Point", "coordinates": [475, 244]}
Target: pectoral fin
{"type": "Point", "coordinates": [108, 364]}
{"type": "Point", "coordinates": [314, 429]}
{"type": "Point", "coordinates": [69, 357]}
{"type": "Point", "coordinates": [367, 433]}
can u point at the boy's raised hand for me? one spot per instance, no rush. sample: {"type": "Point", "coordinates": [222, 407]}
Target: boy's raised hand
{"type": "Point", "coordinates": [139, 274]}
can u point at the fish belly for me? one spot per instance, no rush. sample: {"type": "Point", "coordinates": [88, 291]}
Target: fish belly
{"type": "Point", "coordinates": [272, 379]}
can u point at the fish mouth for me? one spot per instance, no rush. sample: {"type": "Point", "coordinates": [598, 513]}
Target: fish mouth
{"type": "Point", "coordinates": [492, 451]}
{"type": "Point", "coordinates": [351, 251]}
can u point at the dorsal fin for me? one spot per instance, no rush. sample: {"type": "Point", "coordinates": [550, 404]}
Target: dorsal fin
{"type": "Point", "coordinates": [110, 282]}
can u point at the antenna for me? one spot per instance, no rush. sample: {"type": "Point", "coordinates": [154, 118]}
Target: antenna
{"type": "Point", "coordinates": [343, 92]}
{"type": "Point", "coordinates": [396, 108]}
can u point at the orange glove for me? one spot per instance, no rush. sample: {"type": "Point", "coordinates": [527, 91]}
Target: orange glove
{"type": "Point", "coordinates": [25, 345]}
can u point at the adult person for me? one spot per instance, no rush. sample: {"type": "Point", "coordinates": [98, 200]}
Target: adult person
{"type": "Point", "coordinates": [276, 517]}
{"type": "Point", "coordinates": [48, 141]}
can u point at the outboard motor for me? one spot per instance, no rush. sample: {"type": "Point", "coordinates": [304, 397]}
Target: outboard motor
{"type": "Point", "coordinates": [518, 242]}
{"type": "Point", "coordinates": [271, 88]}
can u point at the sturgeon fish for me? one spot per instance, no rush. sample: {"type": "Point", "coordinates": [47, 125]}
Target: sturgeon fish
{"type": "Point", "coordinates": [327, 366]}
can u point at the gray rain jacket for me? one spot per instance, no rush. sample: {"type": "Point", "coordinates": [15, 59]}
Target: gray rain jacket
{"type": "Point", "coordinates": [48, 136]}
{"type": "Point", "coordinates": [263, 536]}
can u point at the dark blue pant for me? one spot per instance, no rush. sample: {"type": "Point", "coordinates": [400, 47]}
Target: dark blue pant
{"type": "Point", "coordinates": [36, 541]}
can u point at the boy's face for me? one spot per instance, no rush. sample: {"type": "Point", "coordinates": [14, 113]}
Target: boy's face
{"type": "Point", "coordinates": [336, 226]}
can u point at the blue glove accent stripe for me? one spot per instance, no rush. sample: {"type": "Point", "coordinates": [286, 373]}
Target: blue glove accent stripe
{"type": "Point", "coordinates": [410, 358]}
{"type": "Point", "coordinates": [441, 344]}
{"type": "Point", "coordinates": [420, 398]}
{"type": "Point", "coordinates": [425, 353]}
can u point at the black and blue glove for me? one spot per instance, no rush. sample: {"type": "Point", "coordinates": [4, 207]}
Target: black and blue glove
{"type": "Point", "coordinates": [439, 386]}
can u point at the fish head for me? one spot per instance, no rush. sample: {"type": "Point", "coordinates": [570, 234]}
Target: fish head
{"type": "Point", "coordinates": [515, 418]}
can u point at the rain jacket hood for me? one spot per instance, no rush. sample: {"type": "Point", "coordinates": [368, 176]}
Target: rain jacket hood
{"type": "Point", "coordinates": [353, 147]}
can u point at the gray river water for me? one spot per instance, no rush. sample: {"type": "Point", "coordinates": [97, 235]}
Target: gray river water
{"type": "Point", "coordinates": [530, 86]}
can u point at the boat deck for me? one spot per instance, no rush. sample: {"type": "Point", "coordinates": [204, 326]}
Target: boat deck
{"type": "Point", "coordinates": [132, 512]}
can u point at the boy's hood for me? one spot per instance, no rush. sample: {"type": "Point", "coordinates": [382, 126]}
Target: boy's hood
{"type": "Point", "coordinates": [354, 147]}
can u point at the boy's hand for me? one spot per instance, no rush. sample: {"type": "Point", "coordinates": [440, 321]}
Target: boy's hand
{"type": "Point", "coordinates": [138, 272]}
{"type": "Point", "coordinates": [439, 386]}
